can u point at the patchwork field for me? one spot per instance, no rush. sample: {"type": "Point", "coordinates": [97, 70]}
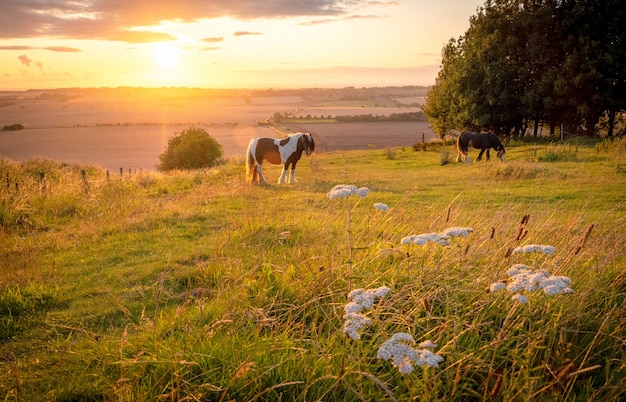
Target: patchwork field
{"type": "Point", "coordinates": [129, 129]}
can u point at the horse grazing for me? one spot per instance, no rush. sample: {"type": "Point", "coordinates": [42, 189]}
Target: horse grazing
{"type": "Point", "coordinates": [276, 151]}
{"type": "Point", "coordinates": [482, 141]}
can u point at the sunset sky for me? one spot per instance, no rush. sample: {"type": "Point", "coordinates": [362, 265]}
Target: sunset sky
{"type": "Point", "coordinates": [226, 43]}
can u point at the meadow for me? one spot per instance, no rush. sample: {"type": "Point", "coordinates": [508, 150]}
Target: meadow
{"type": "Point", "coordinates": [197, 286]}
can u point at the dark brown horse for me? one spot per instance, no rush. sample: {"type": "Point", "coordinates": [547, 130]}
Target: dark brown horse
{"type": "Point", "coordinates": [287, 151]}
{"type": "Point", "coordinates": [476, 140]}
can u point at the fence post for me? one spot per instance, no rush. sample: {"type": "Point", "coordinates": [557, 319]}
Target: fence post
{"type": "Point", "coordinates": [42, 181]}
{"type": "Point", "coordinates": [85, 184]}
{"type": "Point", "coordinates": [108, 177]}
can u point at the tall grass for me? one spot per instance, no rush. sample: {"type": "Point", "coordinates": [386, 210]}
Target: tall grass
{"type": "Point", "coordinates": [195, 286]}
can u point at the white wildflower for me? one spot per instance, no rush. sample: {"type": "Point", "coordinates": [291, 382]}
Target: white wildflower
{"type": "Point", "coordinates": [428, 358]}
{"type": "Point", "coordinates": [399, 350]}
{"type": "Point", "coordinates": [346, 190]}
{"type": "Point", "coordinates": [362, 192]}
{"type": "Point", "coordinates": [517, 269]}
{"type": "Point", "coordinates": [352, 308]}
{"type": "Point", "coordinates": [381, 207]}
{"type": "Point", "coordinates": [354, 323]}
{"type": "Point", "coordinates": [428, 344]}
{"type": "Point", "coordinates": [535, 248]}
{"type": "Point", "coordinates": [520, 298]}
{"type": "Point", "coordinates": [496, 286]}
{"type": "Point", "coordinates": [367, 297]}
{"type": "Point", "coordinates": [443, 238]}
{"type": "Point", "coordinates": [362, 299]}
{"type": "Point", "coordinates": [457, 232]}
{"type": "Point", "coordinates": [525, 279]}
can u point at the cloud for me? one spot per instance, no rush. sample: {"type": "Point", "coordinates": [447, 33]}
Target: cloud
{"type": "Point", "coordinates": [212, 40]}
{"type": "Point", "coordinates": [109, 19]}
{"type": "Point", "coordinates": [25, 60]}
{"type": "Point", "coordinates": [63, 49]}
{"type": "Point", "coordinates": [141, 37]}
{"type": "Point", "coordinates": [345, 18]}
{"type": "Point", "coordinates": [244, 33]}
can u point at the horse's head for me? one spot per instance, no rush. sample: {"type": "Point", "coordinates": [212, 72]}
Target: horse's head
{"type": "Point", "coordinates": [309, 144]}
{"type": "Point", "coordinates": [501, 152]}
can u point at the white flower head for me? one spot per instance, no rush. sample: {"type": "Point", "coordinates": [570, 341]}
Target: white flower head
{"type": "Point", "coordinates": [496, 286]}
{"type": "Point", "coordinates": [366, 298]}
{"type": "Point", "coordinates": [346, 190]}
{"type": "Point", "coordinates": [399, 350]}
{"type": "Point", "coordinates": [354, 323]}
{"type": "Point", "coordinates": [428, 344]}
{"type": "Point", "coordinates": [457, 231]}
{"type": "Point", "coordinates": [381, 207]}
{"type": "Point", "coordinates": [535, 248]}
{"type": "Point", "coordinates": [443, 238]}
{"type": "Point", "coordinates": [520, 298]}
{"type": "Point", "coordinates": [361, 299]}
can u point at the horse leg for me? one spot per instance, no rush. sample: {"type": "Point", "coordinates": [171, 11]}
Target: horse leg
{"type": "Point", "coordinates": [292, 178]}
{"type": "Point", "coordinates": [480, 155]}
{"type": "Point", "coordinates": [488, 156]}
{"type": "Point", "coordinates": [259, 170]}
{"type": "Point", "coordinates": [283, 174]}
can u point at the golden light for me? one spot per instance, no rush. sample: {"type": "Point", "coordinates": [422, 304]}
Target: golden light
{"type": "Point", "coordinates": [166, 55]}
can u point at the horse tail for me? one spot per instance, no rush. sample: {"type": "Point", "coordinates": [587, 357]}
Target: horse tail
{"type": "Point", "coordinates": [252, 174]}
{"type": "Point", "coordinates": [462, 150]}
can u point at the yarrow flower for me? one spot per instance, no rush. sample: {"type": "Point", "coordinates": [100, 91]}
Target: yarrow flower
{"type": "Point", "coordinates": [399, 350]}
{"type": "Point", "coordinates": [535, 248]}
{"type": "Point", "coordinates": [520, 298]}
{"type": "Point", "coordinates": [346, 190]}
{"type": "Point", "coordinates": [442, 238]}
{"type": "Point", "coordinates": [381, 207]}
{"type": "Point", "coordinates": [524, 278]}
{"type": "Point", "coordinates": [361, 299]}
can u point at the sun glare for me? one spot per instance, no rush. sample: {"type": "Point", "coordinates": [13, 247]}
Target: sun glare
{"type": "Point", "coordinates": [166, 55]}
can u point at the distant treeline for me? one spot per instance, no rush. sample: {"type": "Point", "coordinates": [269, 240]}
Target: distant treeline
{"type": "Point", "coordinates": [409, 116]}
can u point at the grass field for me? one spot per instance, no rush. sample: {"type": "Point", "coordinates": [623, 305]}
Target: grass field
{"type": "Point", "coordinates": [197, 286]}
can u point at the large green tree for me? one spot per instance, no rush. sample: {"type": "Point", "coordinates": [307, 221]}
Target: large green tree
{"type": "Point", "coordinates": [534, 62]}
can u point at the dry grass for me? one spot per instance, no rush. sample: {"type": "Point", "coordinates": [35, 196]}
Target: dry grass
{"type": "Point", "coordinates": [193, 285]}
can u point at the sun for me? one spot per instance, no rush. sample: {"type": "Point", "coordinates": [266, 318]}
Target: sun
{"type": "Point", "coordinates": [166, 55]}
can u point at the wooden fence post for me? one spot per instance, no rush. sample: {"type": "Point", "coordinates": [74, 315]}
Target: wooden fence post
{"type": "Point", "coordinates": [85, 183]}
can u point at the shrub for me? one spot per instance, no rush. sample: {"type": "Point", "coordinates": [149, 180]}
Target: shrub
{"type": "Point", "coordinates": [13, 127]}
{"type": "Point", "coordinates": [191, 149]}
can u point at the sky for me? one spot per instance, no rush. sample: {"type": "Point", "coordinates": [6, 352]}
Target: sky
{"type": "Point", "coordinates": [259, 44]}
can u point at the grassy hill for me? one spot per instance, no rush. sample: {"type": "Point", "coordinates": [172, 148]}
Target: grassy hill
{"type": "Point", "coordinates": [197, 286]}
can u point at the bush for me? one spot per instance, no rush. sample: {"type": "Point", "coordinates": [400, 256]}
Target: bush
{"type": "Point", "coordinates": [13, 127]}
{"type": "Point", "coordinates": [191, 149]}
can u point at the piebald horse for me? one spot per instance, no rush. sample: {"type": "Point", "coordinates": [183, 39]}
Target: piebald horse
{"type": "Point", "coordinates": [482, 141]}
{"type": "Point", "coordinates": [286, 151]}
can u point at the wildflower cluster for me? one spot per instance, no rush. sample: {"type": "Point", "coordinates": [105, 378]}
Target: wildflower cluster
{"type": "Point", "coordinates": [361, 299]}
{"type": "Point", "coordinates": [381, 207]}
{"type": "Point", "coordinates": [535, 248]}
{"type": "Point", "coordinates": [400, 351]}
{"type": "Point", "coordinates": [346, 190]}
{"type": "Point", "coordinates": [523, 278]}
{"type": "Point", "coordinates": [442, 238]}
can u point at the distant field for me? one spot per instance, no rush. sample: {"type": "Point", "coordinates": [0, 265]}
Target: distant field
{"type": "Point", "coordinates": [132, 131]}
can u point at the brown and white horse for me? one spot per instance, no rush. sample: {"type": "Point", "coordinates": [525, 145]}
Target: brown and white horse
{"type": "Point", "coordinates": [286, 151]}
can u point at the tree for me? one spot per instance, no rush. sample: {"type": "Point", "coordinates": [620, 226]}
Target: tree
{"type": "Point", "coordinates": [542, 61]}
{"type": "Point", "coordinates": [191, 149]}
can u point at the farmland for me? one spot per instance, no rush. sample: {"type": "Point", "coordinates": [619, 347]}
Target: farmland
{"type": "Point", "coordinates": [129, 128]}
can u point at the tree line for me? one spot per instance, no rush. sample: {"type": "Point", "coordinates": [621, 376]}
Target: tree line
{"type": "Point", "coordinates": [523, 64]}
